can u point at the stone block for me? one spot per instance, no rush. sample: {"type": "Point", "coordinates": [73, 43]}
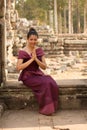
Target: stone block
{"type": "Point", "coordinates": [2, 108]}
{"type": "Point", "coordinates": [72, 95]}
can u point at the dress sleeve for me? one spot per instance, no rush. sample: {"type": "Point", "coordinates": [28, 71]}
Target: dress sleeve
{"type": "Point", "coordinates": [40, 52]}
{"type": "Point", "coordinates": [20, 54]}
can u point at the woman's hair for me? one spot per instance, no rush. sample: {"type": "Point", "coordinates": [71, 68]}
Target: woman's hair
{"type": "Point", "coordinates": [32, 31]}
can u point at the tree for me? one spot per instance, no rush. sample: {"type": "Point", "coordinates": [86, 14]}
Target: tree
{"type": "Point", "coordinates": [33, 10]}
{"type": "Point", "coordinates": [70, 16]}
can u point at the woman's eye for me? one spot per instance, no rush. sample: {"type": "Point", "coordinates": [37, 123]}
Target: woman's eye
{"type": "Point", "coordinates": [31, 39]}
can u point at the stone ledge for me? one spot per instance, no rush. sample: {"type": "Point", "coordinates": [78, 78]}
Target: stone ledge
{"type": "Point", "coordinates": [61, 83]}
{"type": "Point", "coordinates": [72, 95]}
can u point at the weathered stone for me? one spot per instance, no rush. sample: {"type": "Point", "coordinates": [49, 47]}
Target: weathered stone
{"type": "Point", "coordinates": [2, 108]}
{"type": "Point", "coordinates": [74, 45]}
{"type": "Point", "coordinates": [72, 95]}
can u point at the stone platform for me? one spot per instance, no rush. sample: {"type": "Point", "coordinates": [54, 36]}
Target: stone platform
{"type": "Point", "coordinates": [31, 120]}
{"type": "Point", "coordinates": [72, 95]}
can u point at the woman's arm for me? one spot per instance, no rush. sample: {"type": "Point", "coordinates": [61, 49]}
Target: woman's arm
{"type": "Point", "coordinates": [21, 65]}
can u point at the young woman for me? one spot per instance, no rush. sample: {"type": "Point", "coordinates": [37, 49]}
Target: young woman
{"type": "Point", "coordinates": [30, 59]}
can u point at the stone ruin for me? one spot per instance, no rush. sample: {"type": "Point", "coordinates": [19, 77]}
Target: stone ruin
{"type": "Point", "coordinates": [65, 53]}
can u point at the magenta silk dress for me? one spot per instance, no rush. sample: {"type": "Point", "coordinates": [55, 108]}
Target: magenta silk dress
{"type": "Point", "coordinates": [43, 86]}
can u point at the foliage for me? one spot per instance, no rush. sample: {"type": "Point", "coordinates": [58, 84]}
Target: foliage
{"type": "Point", "coordinates": [39, 10]}
{"type": "Point", "coordinates": [33, 10]}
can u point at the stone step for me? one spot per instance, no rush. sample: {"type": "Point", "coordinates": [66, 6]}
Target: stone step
{"type": "Point", "coordinates": [72, 95]}
{"type": "Point", "coordinates": [74, 45]}
{"type": "Point", "coordinates": [75, 41]}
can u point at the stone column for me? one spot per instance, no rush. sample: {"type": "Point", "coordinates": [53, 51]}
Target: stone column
{"type": "Point", "coordinates": [2, 40]}
{"type": "Point", "coordinates": [11, 18]}
{"type": "Point", "coordinates": [55, 17]}
{"type": "Point", "coordinates": [51, 18]}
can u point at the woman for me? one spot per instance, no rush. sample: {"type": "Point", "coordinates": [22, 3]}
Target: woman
{"type": "Point", "coordinates": [30, 59]}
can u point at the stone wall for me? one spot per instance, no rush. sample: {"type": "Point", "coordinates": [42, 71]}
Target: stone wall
{"type": "Point", "coordinates": [72, 95]}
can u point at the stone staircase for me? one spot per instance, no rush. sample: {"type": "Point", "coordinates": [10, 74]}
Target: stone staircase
{"type": "Point", "coordinates": [75, 45]}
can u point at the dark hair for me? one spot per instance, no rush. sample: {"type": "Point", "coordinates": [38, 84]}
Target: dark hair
{"type": "Point", "coordinates": [32, 31]}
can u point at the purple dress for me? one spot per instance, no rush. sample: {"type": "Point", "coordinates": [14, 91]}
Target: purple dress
{"type": "Point", "coordinates": [43, 86]}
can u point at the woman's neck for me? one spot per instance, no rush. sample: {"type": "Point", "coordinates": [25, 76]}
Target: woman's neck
{"type": "Point", "coordinates": [29, 48]}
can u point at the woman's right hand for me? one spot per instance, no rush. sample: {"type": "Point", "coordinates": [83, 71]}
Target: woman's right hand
{"type": "Point", "coordinates": [34, 54]}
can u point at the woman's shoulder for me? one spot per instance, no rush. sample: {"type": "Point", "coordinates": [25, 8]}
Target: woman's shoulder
{"type": "Point", "coordinates": [39, 48]}
{"type": "Point", "coordinates": [22, 50]}
{"type": "Point", "coordinates": [40, 51]}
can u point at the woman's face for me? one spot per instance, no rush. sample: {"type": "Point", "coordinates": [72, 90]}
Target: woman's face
{"type": "Point", "coordinates": [32, 40]}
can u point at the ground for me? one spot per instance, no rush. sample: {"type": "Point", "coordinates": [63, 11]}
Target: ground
{"type": "Point", "coordinates": [32, 120]}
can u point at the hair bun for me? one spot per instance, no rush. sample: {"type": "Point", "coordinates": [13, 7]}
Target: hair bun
{"type": "Point", "coordinates": [32, 29]}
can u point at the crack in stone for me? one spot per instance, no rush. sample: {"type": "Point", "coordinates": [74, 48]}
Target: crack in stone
{"type": "Point", "coordinates": [57, 128]}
